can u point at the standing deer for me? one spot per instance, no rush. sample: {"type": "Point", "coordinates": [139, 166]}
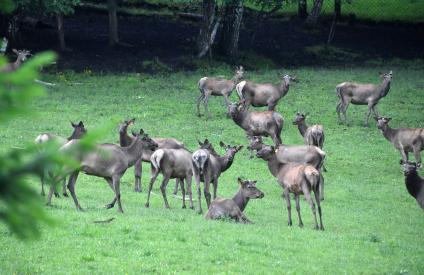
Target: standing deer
{"type": "Point", "coordinates": [313, 135]}
{"type": "Point", "coordinates": [21, 57]}
{"type": "Point", "coordinates": [414, 183]}
{"type": "Point", "coordinates": [233, 208]}
{"type": "Point", "coordinates": [163, 143]}
{"type": "Point", "coordinates": [404, 139]}
{"type": "Point", "coordinates": [362, 94]}
{"type": "Point", "coordinates": [217, 87]}
{"type": "Point", "coordinates": [267, 94]}
{"type": "Point", "coordinates": [208, 166]}
{"type": "Point", "coordinates": [79, 131]}
{"type": "Point", "coordinates": [109, 161]}
{"type": "Point", "coordinates": [298, 179]}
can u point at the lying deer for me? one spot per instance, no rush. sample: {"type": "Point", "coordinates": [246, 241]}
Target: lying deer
{"type": "Point", "coordinates": [163, 143]}
{"type": "Point", "coordinates": [268, 123]}
{"type": "Point", "coordinates": [21, 57]}
{"type": "Point", "coordinates": [233, 208]}
{"type": "Point", "coordinates": [298, 179]}
{"type": "Point", "coordinates": [208, 166]}
{"type": "Point", "coordinates": [362, 94]}
{"type": "Point", "coordinates": [267, 94]}
{"type": "Point", "coordinates": [313, 135]}
{"type": "Point", "coordinates": [404, 139]}
{"type": "Point", "coordinates": [217, 87]}
{"type": "Point", "coordinates": [414, 183]}
{"type": "Point", "coordinates": [79, 131]}
{"type": "Point", "coordinates": [109, 161]}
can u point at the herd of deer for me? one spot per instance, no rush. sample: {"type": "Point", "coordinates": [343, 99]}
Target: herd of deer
{"type": "Point", "coordinates": [297, 168]}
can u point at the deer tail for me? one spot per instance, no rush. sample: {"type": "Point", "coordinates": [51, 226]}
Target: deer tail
{"type": "Point", "coordinates": [156, 158]}
{"type": "Point", "coordinates": [239, 89]}
{"type": "Point", "coordinates": [312, 176]}
{"type": "Point", "coordinates": [199, 160]}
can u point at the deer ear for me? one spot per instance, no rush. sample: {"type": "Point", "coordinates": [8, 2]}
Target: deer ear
{"type": "Point", "coordinates": [222, 144]}
{"type": "Point", "coordinates": [134, 133]}
{"type": "Point", "coordinates": [81, 124]}
{"type": "Point", "coordinates": [141, 131]}
{"type": "Point", "coordinates": [388, 119]}
{"type": "Point", "coordinates": [73, 124]}
{"type": "Point", "coordinates": [240, 181]}
{"type": "Point", "coordinates": [15, 51]}
{"type": "Point", "coordinates": [206, 141]}
{"type": "Point", "coordinates": [131, 121]}
{"type": "Point", "coordinates": [238, 148]}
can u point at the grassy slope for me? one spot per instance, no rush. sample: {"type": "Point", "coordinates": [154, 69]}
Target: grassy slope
{"type": "Point", "coordinates": [372, 224]}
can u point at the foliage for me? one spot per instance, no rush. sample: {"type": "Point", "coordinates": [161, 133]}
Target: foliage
{"type": "Point", "coordinates": [47, 7]}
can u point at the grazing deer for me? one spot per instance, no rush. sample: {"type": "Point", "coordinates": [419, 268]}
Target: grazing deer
{"type": "Point", "coordinates": [163, 143]}
{"type": "Point", "coordinates": [298, 179]}
{"type": "Point", "coordinates": [208, 166]}
{"type": "Point", "coordinates": [404, 139]}
{"type": "Point", "coordinates": [267, 94]}
{"type": "Point", "coordinates": [109, 161]}
{"type": "Point", "coordinates": [233, 208]}
{"type": "Point", "coordinates": [21, 57]}
{"type": "Point", "coordinates": [217, 87]}
{"type": "Point", "coordinates": [313, 135]}
{"type": "Point", "coordinates": [414, 183]}
{"type": "Point", "coordinates": [79, 131]}
{"type": "Point", "coordinates": [362, 94]}
{"type": "Point", "coordinates": [268, 123]}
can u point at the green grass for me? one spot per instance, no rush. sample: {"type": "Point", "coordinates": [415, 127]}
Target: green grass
{"type": "Point", "coordinates": [372, 224]}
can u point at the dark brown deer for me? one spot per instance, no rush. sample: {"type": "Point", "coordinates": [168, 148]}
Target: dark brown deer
{"type": "Point", "coordinates": [406, 140]}
{"type": "Point", "coordinates": [362, 94]}
{"type": "Point", "coordinates": [208, 167]}
{"type": "Point", "coordinates": [414, 183]}
{"type": "Point", "coordinates": [267, 94]}
{"type": "Point", "coordinates": [21, 57]}
{"type": "Point", "coordinates": [163, 143]}
{"type": "Point", "coordinates": [109, 161]}
{"type": "Point", "coordinates": [217, 87]}
{"type": "Point", "coordinates": [313, 135]}
{"type": "Point", "coordinates": [267, 123]}
{"type": "Point", "coordinates": [233, 208]}
{"type": "Point", "coordinates": [298, 179]}
{"type": "Point", "coordinates": [79, 131]}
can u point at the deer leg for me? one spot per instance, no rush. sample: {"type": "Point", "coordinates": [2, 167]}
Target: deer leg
{"type": "Point", "coordinates": [338, 109]}
{"type": "Point", "coordinates": [183, 192]}
{"type": "Point", "coordinates": [296, 198]}
{"type": "Point", "coordinates": [243, 219]}
{"type": "Point", "coordinates": [155, 174]}
{"type": "Point", "coordinates": [375, 111]}
{"type": "Point", "coordinates": [367, 117]}
{"type": "Point", "coordinates": [321, 186]}
{"type": "Point", "coordinates": [287, 198]}
{"type": "Point", "coordinates": [227, 103]}
{"type": "Point", "coordinates": [199, 193]}
{"type": "Point", "coordinates": [52, 189]}
{"type": "Point", "coordinates": [42, 185]}
{"type": "Point", "coordinates": [271, 106]}
{"type": "Point", "coordinates": [404, 154]}
{"type": "Point", "coordinates": [175, 192]}
{"type": "Point", "coordinates": [199, 99]}
{"type": "Point", "coordinates": [116, 183]}
{"type": "Point", "coordinates": [71, 187]}
{"type": "Point", "coordinates": [110, 183]}
{"type": "Point", "coordinates": [215, 187]}
{"type": "Point", "coordinates": [189, 191]}
{"type": "Point", "coordinates": [206, 102]}
{"type": "Point", "coordinates": [206, 191]}
{"type": "Point", "coordinates": [64, 193]}
{"type": "Point", "coordinates": [137, 175]}
{"type": "Point", "coordinates": [317, 199]}
{"type": "Point", "coordinates": [417, 154]}
{"type": "Point", "coordinates": [163, 190]}
{"type": "Point", "coordinates": [312, 204]}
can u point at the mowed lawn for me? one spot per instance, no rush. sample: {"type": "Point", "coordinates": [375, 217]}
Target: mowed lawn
{"type": "Point", "coordinates": [372, 225]}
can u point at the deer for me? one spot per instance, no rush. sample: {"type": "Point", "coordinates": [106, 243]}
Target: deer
{"type": "Point", "coordinates": [362, 94]}
{"type": "Point", "coordinates": [21, 57]}
{"type": "Point", "coordinates": [208, 167]}
{"type": "Point", "coordinates": [266, 94]}
{"type": "Point", "coordinates": [108, 161]}
{"type": "Point", "coordinates": [172, 163]}
{"type": "Point", "coordinates": [163, 143]}
{"type": "Point", "coordinates": [414, 183]}
{"type": "Point", "coordinates": [266, 123]}
{"type": "Point", "coordinates": [79, 132]}
{"type": "Point", "coordinates": [217, 87]}
{"type": "Point", "coordinates": [406, 140]}
{"type": "Point", "coordinates": [233, 208]}
{"type": "Point", "coordinates": [313, 135]}
{"type": "Point", "coordinates": [298, 179]}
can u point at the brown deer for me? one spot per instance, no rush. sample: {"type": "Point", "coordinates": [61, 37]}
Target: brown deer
{"type": "Point", "coordinates": [298, 179]}
{"type": "Point", "coordinates": [21, 57]}
{"type": "Point", "coordinates": [79, 131]}
{"type": "Point", "coordinates": [208, 167]}
{"type": "Point", "coordinates": [163, 143]}
{"type": "Point", "coordinates": [414, 183]}
{"type": "Point", "coordinates": [109, 161]}
{"type": "Point", "coordinates": [233, 208]}
{"type": "Point", "coordinates": [267, 94]}
{"type": "Point", "coordinates": [362, 94]}
{"type": "Point", "coordinates": [313, 135]}
{"type": "Point", "coordinates": [404, 139]}
{"type": "Point", "coordinates": [217, 87]}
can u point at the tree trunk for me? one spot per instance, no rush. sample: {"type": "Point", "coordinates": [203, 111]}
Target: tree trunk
{"type": "Point", "coordinates": [60, 32]}
{"type": "Point", "coordinates": [302, 9]}
{"type": "Point", "coordinates": [231, 29]}
{"type": "Point", "coordinates": [316, 10]}
{"type": "Point", "coordinates": [112, 6]}
{"type": "Point", "coordinates": [204, 42]}
{"type": "Point", "coordinates": [337, 8]}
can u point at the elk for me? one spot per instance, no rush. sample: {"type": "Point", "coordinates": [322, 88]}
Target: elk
{"type": "Point", "coordinates": [217, 87]}
{"type": "Point", "coordinates": [313, 135]}
{"type": "Point", "coordinates": [109, 161]}
{"type": "Point", "coordinates": [79, 131]}
{"type": "Point", "coordinates": [21, 57]}
{"type": "Point", "coordinates": [298, 179]}
{"type": "Point", "coordinates": [267, 94]}
{"type": "Point", "coordinates": [172, 163]}
{"type": "Point", "coordinates": [414, 183]}
{"type": "Point", "coordinates": [267, 123]}
{"type": "Point", "coordinates": [362, 94]}
{"type": "Point", "coordinates": [163, 143]}
{"type": "Point", "coordinates": [404, 139]}
{"type": "Point", "coordinates": [208, 166]}
{"type": "Point", "coordinates": [233, 208]}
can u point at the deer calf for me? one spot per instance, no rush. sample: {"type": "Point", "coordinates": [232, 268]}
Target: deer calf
{"type": "Point", "coordinates": [313, 135]}
{"type": "Point", "coordinates": [21, 57]}
{"type": "Point", "coordinates": [414, 183]}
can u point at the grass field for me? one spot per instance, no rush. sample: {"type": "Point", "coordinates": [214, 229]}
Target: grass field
{"type": "Point", "coordinates": [372, 224]}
